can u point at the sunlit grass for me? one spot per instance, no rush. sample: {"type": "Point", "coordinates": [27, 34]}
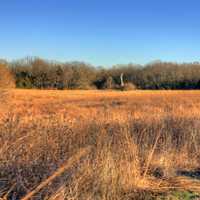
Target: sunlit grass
{"type": "Point", "coordinates": [139, 142]}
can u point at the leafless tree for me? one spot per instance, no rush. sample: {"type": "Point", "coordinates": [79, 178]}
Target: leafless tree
{"type": "Point", "coordinates": [6, 78]}
{"type": "Point", "coordinates": [122, 80]}
{"type": "Point", "coordinates": [6, 82]}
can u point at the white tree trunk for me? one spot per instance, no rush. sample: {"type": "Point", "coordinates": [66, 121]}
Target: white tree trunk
{"type": "Point", "coordinates": [122, 80]}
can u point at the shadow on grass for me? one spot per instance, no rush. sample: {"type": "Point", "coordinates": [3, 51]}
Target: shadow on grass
{"type": "Point", "coordinates": [195, 174]}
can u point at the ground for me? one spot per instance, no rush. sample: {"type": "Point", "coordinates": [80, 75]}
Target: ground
{"type": "Point", "coordinates": [143, 144]}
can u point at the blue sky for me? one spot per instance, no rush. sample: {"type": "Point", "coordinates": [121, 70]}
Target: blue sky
{"type": "Point", "coordinates": [101, 32]}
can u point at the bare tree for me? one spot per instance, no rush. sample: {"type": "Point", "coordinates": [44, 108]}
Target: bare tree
{"type": "Point", "coordinates": [122, 80]}
{"type": "Point", "coordinates": [6, 78]}
{"type": "Point", "coordinates": [6, 81]}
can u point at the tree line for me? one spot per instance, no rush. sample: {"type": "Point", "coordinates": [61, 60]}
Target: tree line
{"type": "Point", "coordinates": [44, 74]}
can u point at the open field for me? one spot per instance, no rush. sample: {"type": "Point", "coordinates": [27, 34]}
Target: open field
{"type": "Point", "coordinates": [99, 145]}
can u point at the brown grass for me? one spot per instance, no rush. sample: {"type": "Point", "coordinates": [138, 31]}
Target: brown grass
{"type": "Point", "coordinates": [140, 143]}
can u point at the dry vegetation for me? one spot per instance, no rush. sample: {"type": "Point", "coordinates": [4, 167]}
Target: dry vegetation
{"type": "Point", "coordinates": [99, 145]}
{"type": "Point", "coordinates": [6, 78]}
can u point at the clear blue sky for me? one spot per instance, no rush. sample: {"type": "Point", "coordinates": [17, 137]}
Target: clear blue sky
{"type": "Point", "coordinates": [101, 32]}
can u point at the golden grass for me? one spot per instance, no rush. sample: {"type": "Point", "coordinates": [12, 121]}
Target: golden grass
{"type": "Point", "coordinates": [141, 141]}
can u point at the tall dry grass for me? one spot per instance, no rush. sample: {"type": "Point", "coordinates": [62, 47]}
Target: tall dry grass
{"type": "Point", "coordinates": [139, 142]}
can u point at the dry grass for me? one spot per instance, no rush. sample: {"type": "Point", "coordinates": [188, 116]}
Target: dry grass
{"type": "Point", "coordinates": [141, 143]}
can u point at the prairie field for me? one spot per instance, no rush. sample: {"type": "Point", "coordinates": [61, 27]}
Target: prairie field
{"type": "Point", "coordinates": [99, 145]}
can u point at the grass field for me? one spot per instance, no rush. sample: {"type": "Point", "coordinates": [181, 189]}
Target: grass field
{"type": "Point", "coordinates": [100, 145]}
